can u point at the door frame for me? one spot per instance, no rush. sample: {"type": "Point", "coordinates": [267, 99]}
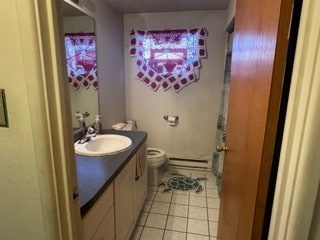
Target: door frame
{"type": "Point", "coordinates": [299, 174]}
{"type": "Point", "coordinates": [63, 183]}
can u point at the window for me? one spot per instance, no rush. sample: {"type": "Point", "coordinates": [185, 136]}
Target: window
{"type": "Point", "coordinates": [168, 58]}
{"type": "Point", "coordinates": [81, 59]}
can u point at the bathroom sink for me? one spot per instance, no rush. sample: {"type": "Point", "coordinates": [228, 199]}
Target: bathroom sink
{"type": "Point", "coordinates": [101, 145]}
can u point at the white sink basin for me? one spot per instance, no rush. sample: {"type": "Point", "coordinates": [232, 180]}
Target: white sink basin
{"type": "Point", "coordinates": [101, 145]}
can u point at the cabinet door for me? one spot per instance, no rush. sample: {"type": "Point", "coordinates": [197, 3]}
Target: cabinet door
{"type": "Point", "coordinates": [124, 204]}
{"type": "Point", "coordinates": [141, 184]}
{"type": "Point", "coordinates": [106, 228]}
{"type": "Point", "coordinates": [100, 212]}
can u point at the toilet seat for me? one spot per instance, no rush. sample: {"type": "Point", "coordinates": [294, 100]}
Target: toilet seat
{"type": "Point", "coordinates": [155, 154]}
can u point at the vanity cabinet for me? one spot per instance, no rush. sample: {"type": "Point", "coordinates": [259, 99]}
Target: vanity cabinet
{"type": "Point", "coordinates": [98, 223]}
{"type": "Point", "coordinates": [114, 214]}
{"type": "Point", "coordinates": [130, 193]}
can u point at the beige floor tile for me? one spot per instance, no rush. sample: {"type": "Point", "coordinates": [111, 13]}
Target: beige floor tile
{"type": "Point", "coordinates": [211, 184]}
{"type": "Point", "coordinates": [213, 214]}
{"type": "Point", "coordinates": [176, 224]}
{"type": "Point", "coordinates": [160, 207]}
{"type": "Point", "coordinates": [197, 226]}
{"type": "Point", "coordinates": [161, 188]}
{"type": "Point", "coordinates": [191, 236]}
{"type": "Point", "coordinates": [184, 172]}
{"type": "Point", "coordinates": [173, 235]}
{"type": "Point", "coordinates": [212, 192]}
{"type": "Point", "coordinates": [180, 199]}
{"type": "Point", "coordinates": [210, 176]}
{"type": "Point", "coordinates": [213, 202]}
{"type": "Point", "coordinates": [198, 213]}
{"type": "Point", "coordinates": [213, 238]}
{"type": "Point", "coordinates": [167, 174]}
{"type": "Point", "coordinates": [156, 220]}
{"type": "Point", "coordinates": [197, 174]}
{"type": "Point", "coordinates": [213, 228]}
{"type": "Point", "coordinates": [166, 177]}
{"type": "Point", "coordinates": [163, 197]}
{"type": "Point", "coordinates": [178, 210]}
{"type": "Point", "coordinates": [199, 194]}
{"type": "Point", "coordinates": [180, 192]}
{"type": "Point", "coordinates": [152, 234]}
{"type": "Point", "coordinates": [197, 201]}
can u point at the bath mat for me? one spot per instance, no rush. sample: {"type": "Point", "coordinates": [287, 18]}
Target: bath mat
{"type": "Point", "coordinates": [182, 182]}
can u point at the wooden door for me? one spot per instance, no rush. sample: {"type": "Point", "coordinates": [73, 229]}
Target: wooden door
{"type": "Point", "coordinates": [258, 62]}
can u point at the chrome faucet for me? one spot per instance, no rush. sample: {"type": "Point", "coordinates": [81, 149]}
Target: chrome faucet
{"type": "Point", "coordinates": [87, 134]}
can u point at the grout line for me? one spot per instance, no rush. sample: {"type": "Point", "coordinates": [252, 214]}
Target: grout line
{"type": "Point", "coordinates": [208, 217]}
{"type": "Point", "coordinates": [165, 226]}
{"type": "Point", "coordinates": [187, 230]}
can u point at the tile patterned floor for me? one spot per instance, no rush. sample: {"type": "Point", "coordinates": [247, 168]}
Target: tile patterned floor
{"type": "Point", "coordinates": [180, 215]}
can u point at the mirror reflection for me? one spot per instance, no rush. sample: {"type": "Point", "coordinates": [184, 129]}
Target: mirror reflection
{"type": "Point", "coordinates": [81, 64]}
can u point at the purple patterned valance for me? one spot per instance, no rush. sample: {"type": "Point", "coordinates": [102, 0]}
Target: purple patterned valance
{"type": "Point", "coordinates": [168, 58]}
{"type": "Point", "coordinates": [81, 59]}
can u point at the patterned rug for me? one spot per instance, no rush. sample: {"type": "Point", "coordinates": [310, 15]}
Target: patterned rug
{"type": "Point", "coordinates": [182, 182]}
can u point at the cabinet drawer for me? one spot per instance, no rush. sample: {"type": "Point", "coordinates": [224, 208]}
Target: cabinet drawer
{"type": "Point", "coordinates": [93, 218]}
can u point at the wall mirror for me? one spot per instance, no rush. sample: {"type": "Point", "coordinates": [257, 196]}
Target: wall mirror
{"type": "Point", "coordinates": [83, 98]}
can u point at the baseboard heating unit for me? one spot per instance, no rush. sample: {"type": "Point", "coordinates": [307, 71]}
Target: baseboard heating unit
{"type": "Point", "coordinates": [190, 163]}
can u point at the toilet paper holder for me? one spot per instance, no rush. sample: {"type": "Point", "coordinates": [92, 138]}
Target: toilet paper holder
{"type": "Point", "coordinates": [167, 118]}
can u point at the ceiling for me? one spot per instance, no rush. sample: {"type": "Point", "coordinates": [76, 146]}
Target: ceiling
{"type": "Point", "coordinates": [136, 6]}
{"type": "Point", "coordinates": [68, 10]}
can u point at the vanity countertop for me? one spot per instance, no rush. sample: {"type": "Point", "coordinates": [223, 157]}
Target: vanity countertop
{"type": "Point", "coordinates": [96, 173]}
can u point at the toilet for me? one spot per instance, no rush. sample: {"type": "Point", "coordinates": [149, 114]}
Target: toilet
{"type": "Point", "coordinates": [156, 157]}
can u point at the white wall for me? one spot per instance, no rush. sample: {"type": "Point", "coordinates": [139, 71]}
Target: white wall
{"type": "Point", "coordinates": [197, 105]}
{"type": "Point", "coordinates": [82, 99]}
{"type": "Point", "coordinates": [25, 188]}
{"type": "Point", "coordinates": [109, 30]}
